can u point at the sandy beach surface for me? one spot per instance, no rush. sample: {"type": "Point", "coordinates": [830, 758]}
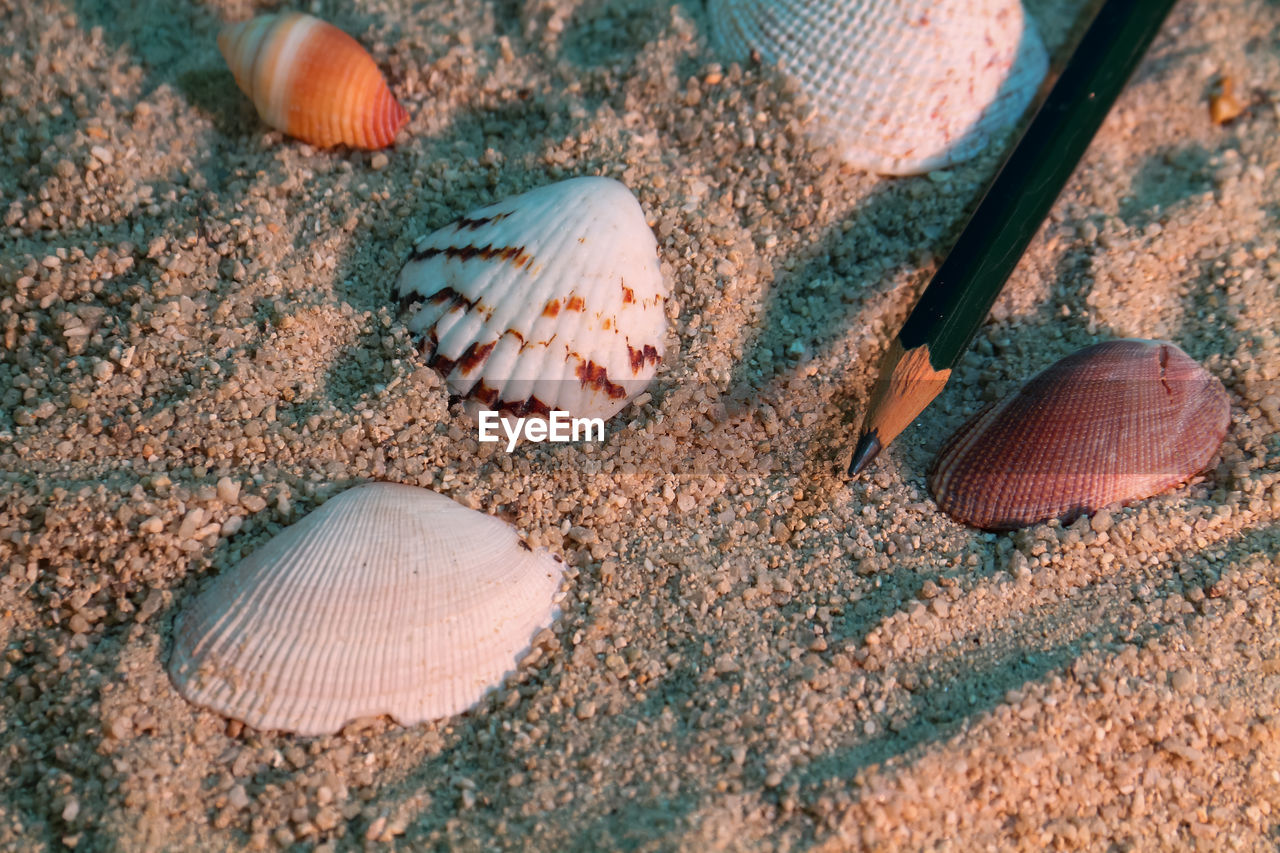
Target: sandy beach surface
{"type": "Point", "coordinates": [754, 653]}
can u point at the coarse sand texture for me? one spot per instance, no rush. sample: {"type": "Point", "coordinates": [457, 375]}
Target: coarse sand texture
{"type": "Point", "coordinates": [753, 652]}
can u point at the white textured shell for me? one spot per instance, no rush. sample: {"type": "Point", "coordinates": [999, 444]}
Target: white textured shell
{"type": "Point", "coordinates": [899, 86]}
{"type": "Point", "coordinates": [548, 300]}
{"type": "Point", "coordinates": [388, 599]}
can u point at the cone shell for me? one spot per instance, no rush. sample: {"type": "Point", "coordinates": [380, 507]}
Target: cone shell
{"type": "Point", "coordinates": [549, 300]}
{"type": "Point", "coordinates": [312, 80]}
{"type": "Point", "coordinates": [388, 599]}
{"type": "Point", "coordinates": [1114, 422]}
{"type": "Point", "coordinates": [899, 86]}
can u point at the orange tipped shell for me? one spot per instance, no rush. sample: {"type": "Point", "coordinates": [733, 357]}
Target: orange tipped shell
{"type": "Point", "coordinates": [1113, 423]}
{"type": "Point", "coordinates": [312, 80]}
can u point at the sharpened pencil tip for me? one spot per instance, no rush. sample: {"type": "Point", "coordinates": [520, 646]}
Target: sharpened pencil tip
{"type": "Point", "coordinates": [868, 449]}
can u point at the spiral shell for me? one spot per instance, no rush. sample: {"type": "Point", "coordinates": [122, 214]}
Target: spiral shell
{"type": "Point", "coordinates": [387, 599]}
{"type": "Point", "coordinates": [549, 300]}
{"type": "Point", "coordinates": [311, 80]}
{"type": "Point", "coordinates": [1113, 423]}
{"type": "Point", "coordinates": [899, 86]}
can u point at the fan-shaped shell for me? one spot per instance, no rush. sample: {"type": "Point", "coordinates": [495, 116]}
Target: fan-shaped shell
{"type": "Point", "coordinates": [899, 86]}
{"type": "Point", "coordinates": [312, 80]}
{"type": "Point", "coordinates": [549, 300]}
{"type": "Point", "coordinates": [1115, 422]}
{"type": "Point", "coordinates": [387, 599]}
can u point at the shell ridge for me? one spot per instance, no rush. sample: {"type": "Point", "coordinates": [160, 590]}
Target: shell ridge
{"type": "Point", "coordinates": [1112, 423]}
{"type": "Point", "coordinates": [525, 292]}
{"type": "Point", "coordinates": [273, 70]}
{"type": "Point", "coordinates": [240, 45]}
{"type": "Point", "coordinates": [222, 632]}
{"type": "Point", "coordinates": [353, 118]}
{"type": "Point", "coordinates": [493, 279]}
{"type": "Point", "coordinates": [553, 366]}
{"type": "Point", "coordinates": [317, 551]}
{"type": "Point", "coordinates": [948, 99]}
{"type": "Point", "coordinates": [375, 522]}
{"type": "Point", "coordinates": [450, 670]}
{"type": "Point", "coordinates": [311, 80]}
{"type": "Point", "coordinates": [597, 279]}
{"type": "Point", "coordinates": [459, 330]}
{"type": "Point", "coordinates": [598, 293]}
{"type": "Point", "coordinates": [432, 559]}
{"type": "Point", "coordinates": [509, 630]}
{"type": "Point", "coordinates": [280, 639]}
{"type": "Point", "coordinates": [375, 662]}
{"type": "Point", "coordinates": [455, 313]}
{"type": "Point", "coordinates": [552, 265]}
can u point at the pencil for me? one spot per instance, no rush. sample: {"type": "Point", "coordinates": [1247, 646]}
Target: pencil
{"type": "Point", "coordinates": [960, 295]}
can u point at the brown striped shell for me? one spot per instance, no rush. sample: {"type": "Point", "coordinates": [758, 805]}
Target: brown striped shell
{"type": "Point", "coordinates": [1112, 423]}
{"type": "Point", "coordinates": [551, 300]}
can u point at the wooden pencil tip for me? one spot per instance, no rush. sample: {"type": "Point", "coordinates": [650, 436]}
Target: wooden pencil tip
{"type": "Point", "coordinates": [868, 449]}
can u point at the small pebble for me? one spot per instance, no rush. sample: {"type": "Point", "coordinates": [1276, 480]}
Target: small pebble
{"type": "Point", "coordinates": [120, 726]}
{"type": "Point", "coordinates": [191, 522]}
{"type": "Point", "coordinates": [237, 797]}
{"type": "Point", "coordinates": [1182, 681]}
{"type": "Point", "coordinates": [228, 491]}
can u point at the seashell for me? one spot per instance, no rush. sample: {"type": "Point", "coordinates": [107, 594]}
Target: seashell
{"type": "Point", "coordinates": [1113, 423]}
{"type": "Point", "coordinates": [311, 80]}
{"type": "Point", "coordinates": [388, 599]}
{"type": "Point", "coordinates": [899, 86]}
{"type": "Point", "coordinates": [548, 300]}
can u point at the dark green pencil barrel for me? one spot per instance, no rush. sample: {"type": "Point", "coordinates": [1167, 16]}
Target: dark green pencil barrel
{"type": "Point", "coordinates": [961, 293]}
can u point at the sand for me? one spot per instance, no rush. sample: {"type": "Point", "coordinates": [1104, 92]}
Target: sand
{"type": "Point", "coordinates": [754, 653]}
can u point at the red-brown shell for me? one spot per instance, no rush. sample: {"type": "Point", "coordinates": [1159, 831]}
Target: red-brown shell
{"type": "Point", "coordinates": [1112, 423]}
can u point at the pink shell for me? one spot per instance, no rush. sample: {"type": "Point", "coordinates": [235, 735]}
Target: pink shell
{"type": "Point", "coordinates": [1113, 423]}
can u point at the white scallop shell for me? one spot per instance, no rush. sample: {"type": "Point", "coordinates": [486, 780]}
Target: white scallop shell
{"type": "Point", "coordinates": [900, 86]}
{"type": "Point", "coordinates": [388, 599]}
{"type": "Point", "coordinates": [548, 300]}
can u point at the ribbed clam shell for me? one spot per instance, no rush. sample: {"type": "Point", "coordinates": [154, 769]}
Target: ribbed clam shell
{"type": "Point", "coordinates": [387, 599]}
{"type": "Point", "coordinates": [548, 300]}
{"type": "Point", "coordinates": [899, 86]}
{"type": "Point", "coordinates": [1115, 422]}
{"type": "Point", "coordinates": [312, 80]}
